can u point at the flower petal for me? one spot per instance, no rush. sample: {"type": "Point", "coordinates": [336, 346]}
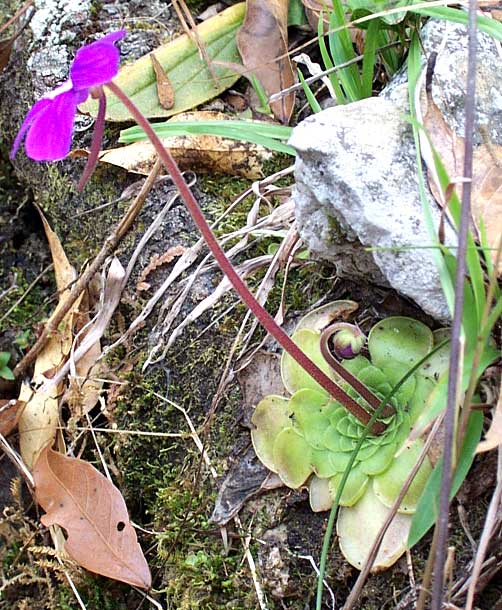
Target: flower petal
{"type": "Point", "coordinates": [50, 134]}
{"type": "Point", "coordinates": [96, 63]}
{"type": "Point", "coordinates": [36, 109]}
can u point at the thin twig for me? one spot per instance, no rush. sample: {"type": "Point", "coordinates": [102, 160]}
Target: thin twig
{"type": "Point", "coordinates": [486, 536]}
{"type": "Point", "coordinates": [83, 281]}
{"type": "Point", "coordinates": [456, 344]}
{"type": "Point", "coordinates": [361, 580]}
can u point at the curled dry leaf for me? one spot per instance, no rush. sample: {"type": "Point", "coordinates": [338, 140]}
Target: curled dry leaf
{"type": "Point", "coordinates": [486, 198]}
{"type": "Point", "coordinates": [10, 412]}
{"type": "Point", "coordinates": [165, 91]}
{"type": "Point", "coordinates": [157, 261]}
{"type": "Point", "coordinates": [200, 153]}
{"type": "Point", "coordinates": [263, 44]}
{"type": "Point", "coordinates": [39, 420]}
{"type": "Point", "coordinates": [80, 499]}
{"type": "Point", "coordinates": [493, 437]}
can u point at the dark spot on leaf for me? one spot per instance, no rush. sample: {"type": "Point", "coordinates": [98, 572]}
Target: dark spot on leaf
{"type": "Point", "coordinates": [120, 526]}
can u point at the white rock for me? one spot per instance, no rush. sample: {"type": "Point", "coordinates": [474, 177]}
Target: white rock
{"type": "Point", "coordinates": [356, 173]}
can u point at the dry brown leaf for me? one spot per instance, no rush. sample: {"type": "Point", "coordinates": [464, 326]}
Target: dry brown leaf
{"type": "Point", "coordinates": [486, 198]}
{"type": "Point", "coordinates": [493, 437]}
{"type": "Point", "coordinates": [10, 412]}
{"type": "Point", "coordinates": [157, 261]}
{"type": "Point", "coordinates": [80, 499]}
{"type": "Point", "coordinates": [200, 153]}
{"type": "Point", "coordinates": [263, 44]}
{"type": "Point", "coordinates": [165, 91]}
{"type": "Point", "coordinates": [313, 9]}
{"type": "Point", "coordinates": [39, 420]}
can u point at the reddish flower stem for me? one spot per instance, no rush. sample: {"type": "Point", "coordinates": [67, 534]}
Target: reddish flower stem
{"type": "Point", "coordinates": [266, 320]}
{"type": "Point", "coordinates": [97, 138]}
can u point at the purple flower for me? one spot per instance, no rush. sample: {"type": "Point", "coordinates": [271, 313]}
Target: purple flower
{"type": "Point", "coordinates": [48, 126]}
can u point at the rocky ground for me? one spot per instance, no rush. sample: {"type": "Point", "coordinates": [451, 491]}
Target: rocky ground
{"type": "Point", "coordinates": [169, 489]}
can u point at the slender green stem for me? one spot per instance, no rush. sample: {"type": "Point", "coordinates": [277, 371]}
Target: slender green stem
{"type": "Point", "coordinates": [226, 266]}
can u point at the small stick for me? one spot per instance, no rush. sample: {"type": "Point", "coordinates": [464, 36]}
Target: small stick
{"type": "Point", "coordinates": [83, 281]}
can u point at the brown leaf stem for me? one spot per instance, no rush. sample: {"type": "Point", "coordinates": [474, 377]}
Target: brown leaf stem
{"type": "Point", "coordinates": [226, 266]}
{"type": "Point", "coordinates": [456, 344]}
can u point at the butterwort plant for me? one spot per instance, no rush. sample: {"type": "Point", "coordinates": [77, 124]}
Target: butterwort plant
{"type": "Point", "coordinates": [47, 130]}
{"type": "Point", "coordinates": [309, 439]}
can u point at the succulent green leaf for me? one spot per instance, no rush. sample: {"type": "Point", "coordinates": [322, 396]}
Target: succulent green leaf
{"type": "Point", "coordinates": [379, 461]}
{"type": "Point", "coordinates": [359, 525]}
{"type": "Point", "coordinates": [292, 457]}
{"type": "Point", "coordinates": [388, 485]}
{"type": "Point", "coordinates": [323, 464]}
{"type": "Point", "coordinates": [323, 316]}
{"type": "Point", "coordinates": [270, 417]}
{"type": "Point", "coordinates": [439, 362]}
{"type": "Point", "coordinates": [354, 365]}
{"type": "Point", "coordinates": [347, 444]}
{"type": "Point", "coordinates": [294, 376]}
{"type": "Point", "coordinates": [399, 339]}
{"type": "Point", "coordinates": [354, 486]}
{"type": "Point", "coordinates": [319, 494]}
{"type": "Point", "coordinates": [340, 461]}
{"type": "Point", "coordinates": [424, 389]}
{"type": "Point", "coordinates": [188, 73]}
{"type": "Point", "coordinates": [311, 412]}
{"type": "Point", "coordinates": [332, 439]}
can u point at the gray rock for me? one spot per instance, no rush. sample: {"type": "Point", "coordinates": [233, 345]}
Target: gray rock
{"type": "Point", "coordinates": [356, 176]}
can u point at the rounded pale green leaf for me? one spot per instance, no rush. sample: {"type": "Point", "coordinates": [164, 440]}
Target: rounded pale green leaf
{"type": "Point", "coordinates": [339, 461]}
{"type": "Point", "coordinates": [423, 390]}
{"type": "Point", "coordinates": [323, 465]}
{"type": "Point", "coordinates": [380, 460]}
{"type": "Point", "coordinates": [319, 495]}
{"type": "Point", "coordinates": [388, 485]}
{"type": "Point", "coordinates": [323, 316]}
{"type": "Point", "coordinates": [394, 373]}
{"type": "Point", "coordinates": [292, 457]}
{"type": "Point", "coordinates": [332, 439]}
{"type": "Point", "coordinates": [311, 411]}
{"type": "Point", "coordinates": [399, 339]}
{"type": "Point", "coordinates": [353, 489]}
{"type": "Point", "coordinates": [354, 365]}
{"type": "Point", "coordinates": [294, 376]}
{"type": "Point", "coordinates": [358, 526]}
{"type": "Point", "coordinates": [439, 362]}
{"type": "Point", "coordinates": [270, 417]}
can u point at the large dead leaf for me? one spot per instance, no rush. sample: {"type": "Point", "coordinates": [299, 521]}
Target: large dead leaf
{"type": "Point", "coordinates": [100, 536]}
{"type": "Point", "coordinates": [39, 420]}
{"type": "Point", "coordinates": [263, 44]}
{"type": "Point", "coordinates": [201, 153]}
{"type": "Point", "coordinates": [486, 198]}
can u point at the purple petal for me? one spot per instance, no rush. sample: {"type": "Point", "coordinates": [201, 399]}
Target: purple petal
{"type": "Point", "coordinates": [30, 117]}
{"type": "Point", "coordinates": [49, 136]}
{"type": "Point", "coordinates": [96, 63]}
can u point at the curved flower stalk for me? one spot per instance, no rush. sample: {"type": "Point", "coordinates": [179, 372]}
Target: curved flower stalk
{"type": "Point", "coordinates": [308, 438]}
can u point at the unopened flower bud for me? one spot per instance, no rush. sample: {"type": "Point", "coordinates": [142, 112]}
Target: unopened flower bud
{"type": "Point", "coordinates": [348, 342]}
